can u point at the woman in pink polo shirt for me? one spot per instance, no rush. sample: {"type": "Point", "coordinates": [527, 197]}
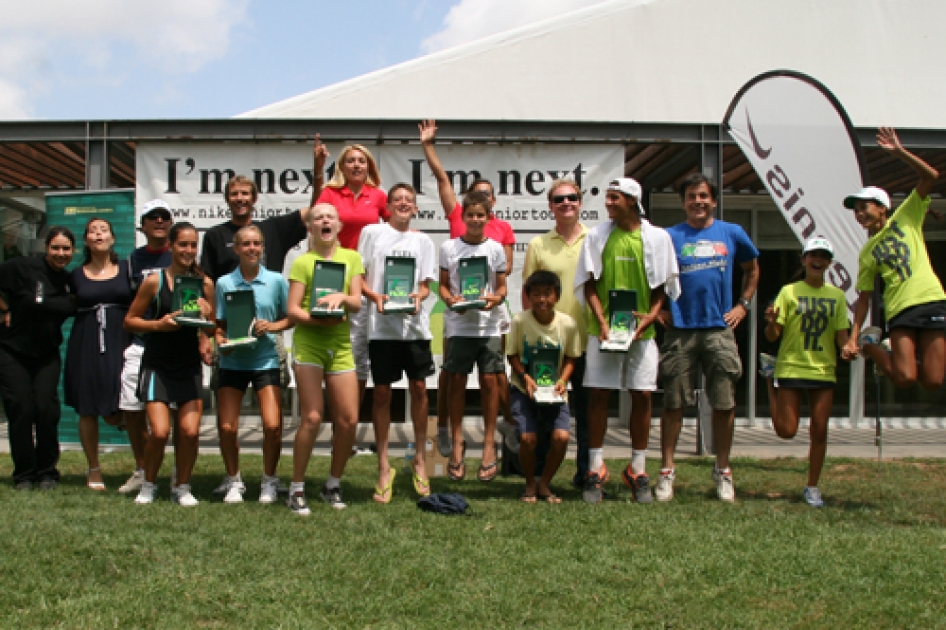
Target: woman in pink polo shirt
{"type": "Point", "coordinates": [355, 192]}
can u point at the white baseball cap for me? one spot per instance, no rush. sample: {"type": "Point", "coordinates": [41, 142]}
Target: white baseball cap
{"type": "Point", "coordinates": [870, 193]}
{"type": "Point", "coordinates": [153, 206]}
{"type": "Point", "coordinates": [818, 243]}
{"type": "Point", "coordinates": [629, 187]}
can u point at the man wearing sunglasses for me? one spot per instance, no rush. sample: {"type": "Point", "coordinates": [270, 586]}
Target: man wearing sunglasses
{"type": "Point", "coordinates": [149, 258]}
{"type": "Point", "coordinates": [557, 251]}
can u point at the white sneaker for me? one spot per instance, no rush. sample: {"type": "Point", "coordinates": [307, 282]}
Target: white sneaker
{"type": "Point", "coordinates": [443, 444]}
{"type": "Point", "coordinates": [147, 494]}
{"type": "Point", "coordinates": [134, 482]}
{"type": "Point", "coordinates": [235, 493]}
{"type": "Point", "coordinates": [870, 335]}
{"type": "Point", "coordinates": [511, 433]}
{"type": "Point", "coordinates": [724, 486]}
{"type": "Point", "coordinates": [664, 489]}
{"type": "Point", "coordinates": [813, 497]}
{"type": "Point", "coordinates": [183, 497]}
{"type": "Point", "coordinates": [269, 490]}
{"type": "Point", "coordinates": [766, 365]}
{"type": "Point", "coordinates": [227, 483]}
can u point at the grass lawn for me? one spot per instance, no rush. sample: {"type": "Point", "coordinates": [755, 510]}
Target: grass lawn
{"type": "Point", "coordinates": [875, 557]}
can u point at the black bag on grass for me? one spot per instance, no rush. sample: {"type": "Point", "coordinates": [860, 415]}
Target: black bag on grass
{"type": "Point", "coordinates": [444, 503]}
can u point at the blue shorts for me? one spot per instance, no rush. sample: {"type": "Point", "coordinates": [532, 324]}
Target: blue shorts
{"type": "Point", "coordinates": [531, 417]}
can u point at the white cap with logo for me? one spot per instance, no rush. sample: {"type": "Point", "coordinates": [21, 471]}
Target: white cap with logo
{"type": "Point", "coordinates": [629, 187]}
{"type": "Point", "coordinates": [818, 243]}
{"type": "Point", "coordinates": [154, 206]}
{"type": "Point", "coordinates": [870, 193]}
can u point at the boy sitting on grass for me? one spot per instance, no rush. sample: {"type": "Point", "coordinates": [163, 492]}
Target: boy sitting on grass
{"type": "Point", "coordinates": [541, 327]}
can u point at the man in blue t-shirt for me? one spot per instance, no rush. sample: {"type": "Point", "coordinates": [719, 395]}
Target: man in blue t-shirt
{"type": "Point", "coordinates": [700, 324]}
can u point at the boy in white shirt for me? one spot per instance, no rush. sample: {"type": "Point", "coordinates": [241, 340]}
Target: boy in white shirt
{"type": "Point", "coordinates": [475, 334]}
{"type": "Point", "coordinates": [398, 343]}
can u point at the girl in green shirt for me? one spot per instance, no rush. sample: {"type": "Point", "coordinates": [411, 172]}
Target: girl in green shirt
{"type": "Point", "coordinates": [811, 317]}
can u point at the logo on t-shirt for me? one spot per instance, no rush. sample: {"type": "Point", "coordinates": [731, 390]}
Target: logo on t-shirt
{"type": "Point", "coordinates": [710, 254]}
{"type": "Point", "coordinates": [893, 252]}
{"type": "Point", "coordinates": [815, 313]}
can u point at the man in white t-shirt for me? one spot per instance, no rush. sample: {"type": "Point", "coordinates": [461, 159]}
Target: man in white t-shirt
{"type": "Point", "coordinates": [398, 342]}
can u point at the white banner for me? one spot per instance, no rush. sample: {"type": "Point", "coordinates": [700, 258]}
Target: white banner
{"type": "Point", "coordinates": [191, 177]}
{"type": "Point", "coordinates": [801, 143]}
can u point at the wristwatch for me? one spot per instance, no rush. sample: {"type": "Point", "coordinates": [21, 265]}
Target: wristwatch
{"type": "Point", "coordinates": [745, 303]}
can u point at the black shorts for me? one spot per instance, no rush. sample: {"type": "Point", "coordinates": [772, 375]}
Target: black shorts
{"type": "Point", "coordinates": [241, 379]}
{"type": "Point", "coordinates": [156, 386]}
{"type": "Point", "coordinates": [390, 358]}
{"type": "Point", "coordinates": [802, 383]}
{"type": "Point", "coordinates": [929, 316]}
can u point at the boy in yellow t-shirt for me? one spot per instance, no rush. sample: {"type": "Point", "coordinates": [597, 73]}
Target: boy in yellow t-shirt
{"type": "Point", "coordinates": [812, 315]}
{"type": "Point", "coordinates": [913, 296]}
{"type": "Point", "coordinates": [541, 327]}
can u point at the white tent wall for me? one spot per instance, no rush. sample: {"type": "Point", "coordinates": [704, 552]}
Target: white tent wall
{"type": "Point", "coordinates": [671, 61]}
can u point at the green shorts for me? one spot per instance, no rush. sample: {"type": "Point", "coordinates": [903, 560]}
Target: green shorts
{"type": "Point", "coordinates": [334, 357]}
{"type": "Point", "coordinates": [684, 351]}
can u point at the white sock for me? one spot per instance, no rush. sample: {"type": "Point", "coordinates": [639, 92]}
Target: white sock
{"type": "Point", "coordinates": [236, 478]}
{"type": "Point", "coordinates": [333, 482]}
{"type": "Point", "coordinates": [721, 470]}
{"type": "Point", "coordinates": [638, 461]}
{"type": "Point", "coordinates": [140, 471]}
{"type": "Point", "coordinates": [269, 478]}
{"type": "Point", "coordinates": [296, 486]}
{"type": "Point", "coordinates": [595, 459]}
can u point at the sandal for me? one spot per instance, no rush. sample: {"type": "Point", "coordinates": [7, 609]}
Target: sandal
{"type": "Point", "coordinates": [383, 495]}
{"type": "Point", "coordinates": [457, 472]}
{"type": "Point", "coordinates": [487, 472]}
{"type": "Point", "coordinates": [421, 485]}
{"type": "Point", "coordinates": [94, 485]}
{"type": "Point", "coordinates": [550, 498]}
{"type": "Point", "coordinates": [527, 497]}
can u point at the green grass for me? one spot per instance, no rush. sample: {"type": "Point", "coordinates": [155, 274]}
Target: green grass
{"type": "Point", "coordinates": [875, 557]}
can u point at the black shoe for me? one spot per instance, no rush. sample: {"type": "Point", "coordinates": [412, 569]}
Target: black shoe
{"type": "Point", "coordinates": [48, 484]}
{"type": "Point", "coordinates": [333, 496]}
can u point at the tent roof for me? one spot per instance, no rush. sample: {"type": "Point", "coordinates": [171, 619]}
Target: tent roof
{"type": "Point", "coordinates": [667, 61]}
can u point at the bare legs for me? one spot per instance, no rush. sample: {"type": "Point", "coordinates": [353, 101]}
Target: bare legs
{"type": "Point", "coordinates": [785, 417]}
{"type": "Point", "coordinates": [909, 346]}
{"type": "Point", "coordinates": [186, 441]}
{"type": "Point", "coordinates": [89, 436]}
{"type": "Point", "coordinates": [341, 390]}
{"type": "Point", "coordinates": [229, 400]}
{"type": "Point", "coordinates": [671, 422]}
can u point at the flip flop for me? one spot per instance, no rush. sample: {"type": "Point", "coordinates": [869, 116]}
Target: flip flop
{"type": "Point", "coordinates": [421, 485]}
{"type": "Point", "coordinates": [550, 498]}
{"type": "Point", "coordinates": [487, 472]}
{"type": "Point", "coordinates": [383, 495]}
{"type": "Point", "coordinates": [527, 498]}
{"type": "Point", "coordinates": [457, 472]}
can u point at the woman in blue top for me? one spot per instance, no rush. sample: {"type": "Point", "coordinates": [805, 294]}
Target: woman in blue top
{"type": "Point", "coordinates": [257, 363]}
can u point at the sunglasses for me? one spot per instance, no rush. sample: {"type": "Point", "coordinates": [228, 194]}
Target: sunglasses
{"type": "Point", "coordinates": [159, 216]}
{"type": "Point", "coordinates": [563, 198]}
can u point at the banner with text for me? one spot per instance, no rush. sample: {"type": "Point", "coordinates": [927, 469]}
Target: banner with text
{"type": "Point", "coordinates": [801, 143]}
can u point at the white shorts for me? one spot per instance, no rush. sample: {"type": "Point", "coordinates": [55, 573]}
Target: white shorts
{"type": "Point", "coordinates": [359, 341]}
{"type": "Point", "coordinates": [128, 400]}
{"type": "Point", "coordinates": [634, 370]}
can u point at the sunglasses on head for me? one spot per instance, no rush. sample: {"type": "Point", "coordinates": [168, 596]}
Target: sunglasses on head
{"type": "Point", "coordinates": [573, 197]}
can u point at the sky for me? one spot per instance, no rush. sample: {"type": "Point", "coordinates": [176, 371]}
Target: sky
{"type": "Point", "coordinates": [128, 59]}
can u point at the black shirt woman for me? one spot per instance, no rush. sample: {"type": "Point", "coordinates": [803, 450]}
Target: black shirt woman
{"type": "Point", "coordinates": [92, 379]}
{"type": "Point", "coordinates": [171, 366]}
{"type": "Point", "coordinates": [37, 294]}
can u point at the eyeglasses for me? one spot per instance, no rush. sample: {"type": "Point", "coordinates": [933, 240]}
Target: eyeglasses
{"type": "Point", "coordinates": [563, 198]}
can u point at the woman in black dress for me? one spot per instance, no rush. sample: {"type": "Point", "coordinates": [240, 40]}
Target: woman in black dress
{"type": "Point", "coordinates": [36, 303]}
{"type": "Point", "coordinates": [92, 381]}
{"type": "Point", "coordinates": [171, 366]}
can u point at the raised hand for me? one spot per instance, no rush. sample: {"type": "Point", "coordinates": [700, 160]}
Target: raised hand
{"type": "Point", "coordinates": [887, 139]}
{"type": "Point", "coordinates": [428, 131]}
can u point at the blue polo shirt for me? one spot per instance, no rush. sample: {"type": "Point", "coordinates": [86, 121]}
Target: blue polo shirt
{"type": "Point", "coordinates": [271, 293]}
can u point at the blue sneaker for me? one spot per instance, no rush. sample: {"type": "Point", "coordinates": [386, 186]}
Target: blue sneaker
{"type": "Point", "coordinates": [813, 497]}
{"type": "Point", "coordinates": [870, 335]}
{"type": "Point", "coordinates": [766, 365]}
